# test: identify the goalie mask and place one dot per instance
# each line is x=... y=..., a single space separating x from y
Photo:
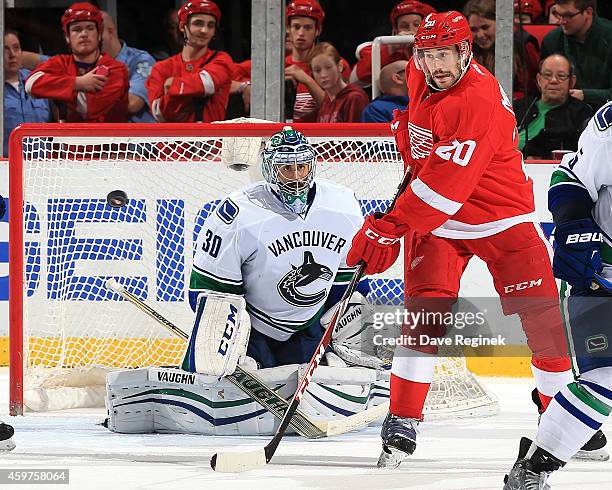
x=288 y=165
x=443 y=49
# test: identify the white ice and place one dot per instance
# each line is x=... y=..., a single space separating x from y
x=467 y=454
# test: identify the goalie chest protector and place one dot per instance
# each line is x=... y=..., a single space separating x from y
x=284 y=263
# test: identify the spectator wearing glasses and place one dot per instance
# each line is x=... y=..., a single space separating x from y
x=394 y=94
x=586 y=40
x=554 y=120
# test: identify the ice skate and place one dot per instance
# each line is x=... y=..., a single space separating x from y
x=399 y=440
x=6 y=438
x=531 y=473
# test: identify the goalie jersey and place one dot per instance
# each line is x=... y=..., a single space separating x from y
x=283 y=263
x=589 y=170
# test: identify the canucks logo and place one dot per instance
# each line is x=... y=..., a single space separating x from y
x=309 y=271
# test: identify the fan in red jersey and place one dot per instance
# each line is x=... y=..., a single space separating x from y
x=405 y=18
x=87 y=85
x=194 y=84
x=468 y=196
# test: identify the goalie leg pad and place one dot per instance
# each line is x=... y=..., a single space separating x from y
x=337 y=392
x=172 y=401
x=219 y=336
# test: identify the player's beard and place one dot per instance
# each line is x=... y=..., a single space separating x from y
x=451 y=77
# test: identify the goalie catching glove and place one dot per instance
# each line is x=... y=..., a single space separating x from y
x=220 y=334
x=350 y=336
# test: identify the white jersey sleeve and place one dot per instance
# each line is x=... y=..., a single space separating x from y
x=220 y=252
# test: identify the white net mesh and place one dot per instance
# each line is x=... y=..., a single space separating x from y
x=74 y=242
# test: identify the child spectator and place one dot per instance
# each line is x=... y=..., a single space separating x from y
x=481 y=17
x=87 y=85
x=194 y=84
x=18 y=107
x=138 y=63
x=405 y=19
x=586 y=40
x=342 y=102
x=394 y=94
x=554 y=120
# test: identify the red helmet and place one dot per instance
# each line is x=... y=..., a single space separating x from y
x=532 y=8
x=198 y=7
x=81 y=11
x=443 y=30
x=305 y=8
x=410 y=7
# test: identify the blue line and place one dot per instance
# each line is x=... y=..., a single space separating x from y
x=597 y=388
x=199 y=412
x=339 y=410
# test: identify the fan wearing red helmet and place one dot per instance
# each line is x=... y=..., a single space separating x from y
x=405 y=18
x=194 y=84
x=527 y=11
x=304 y=19
x=468 y=197
x=87 y=85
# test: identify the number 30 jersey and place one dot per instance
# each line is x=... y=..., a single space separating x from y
x=468 y=175
x=283 y=263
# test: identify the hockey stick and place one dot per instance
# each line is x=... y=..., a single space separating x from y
x=250 y=384
x=600 y=282
x=244 y=461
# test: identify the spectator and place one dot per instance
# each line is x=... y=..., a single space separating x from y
x=87 y=85
x=342 y=102
x=405 y=18
x=18 y=107
x=394 y=94
x=550 y=18
x=304 y=23
x=171 y=39
x=481 y=17
x=527 y=11
x=554 y=120
x=194 y=84
x=586 y=40
x=139 y=64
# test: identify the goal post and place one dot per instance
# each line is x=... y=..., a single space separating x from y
x=66 y=328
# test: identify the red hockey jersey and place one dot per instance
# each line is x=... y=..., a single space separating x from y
x=54 y=79
x=468 y=175
x=347 y=106
x=199 y=90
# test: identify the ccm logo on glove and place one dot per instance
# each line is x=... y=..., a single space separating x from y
x=584 y=238
x=383 y=240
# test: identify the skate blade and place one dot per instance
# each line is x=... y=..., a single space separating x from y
x=7 y=445
x=390 y=460
x=595 y=455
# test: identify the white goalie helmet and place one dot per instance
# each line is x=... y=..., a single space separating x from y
x=288 y=165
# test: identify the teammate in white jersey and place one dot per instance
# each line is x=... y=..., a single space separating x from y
x=281 y=244
x=580 y=199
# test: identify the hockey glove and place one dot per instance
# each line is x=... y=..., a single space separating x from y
x=376 y=245
x=577 y=257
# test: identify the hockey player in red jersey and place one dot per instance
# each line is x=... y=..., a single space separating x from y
x=193 y=85
x=87 y=85
x=405 y=18
x=468 y=196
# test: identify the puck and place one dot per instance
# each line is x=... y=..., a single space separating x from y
x=117 y=199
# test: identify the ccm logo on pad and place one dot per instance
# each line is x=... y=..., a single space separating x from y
x=584 y=238
x=383 y=240
x=523 y=285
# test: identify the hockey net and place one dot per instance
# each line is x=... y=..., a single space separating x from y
x=67 y=329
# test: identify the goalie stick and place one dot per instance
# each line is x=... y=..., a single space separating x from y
x=250 y=384
x=244 y=461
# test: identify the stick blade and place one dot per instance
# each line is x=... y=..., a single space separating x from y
x=238 y=462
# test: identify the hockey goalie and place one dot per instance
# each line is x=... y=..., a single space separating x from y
x=269 y=267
